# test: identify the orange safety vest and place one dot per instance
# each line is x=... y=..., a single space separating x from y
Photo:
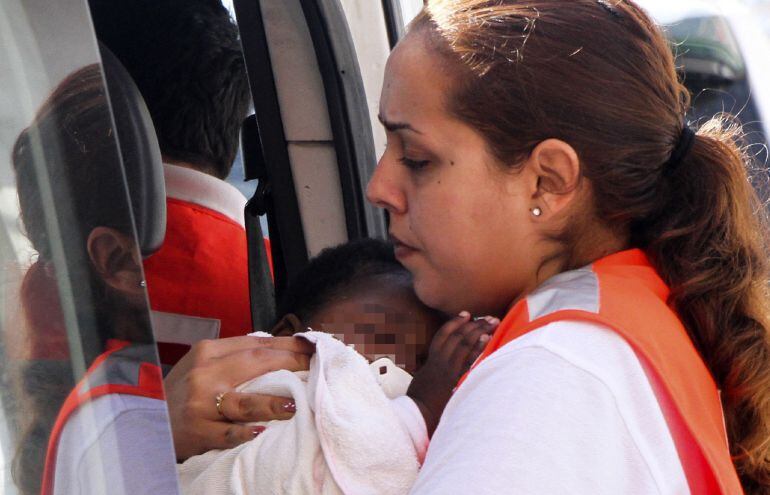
x=624 y=293
x=124 y=369
x=201 y=270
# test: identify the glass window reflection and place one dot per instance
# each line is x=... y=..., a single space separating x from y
x=81 y=400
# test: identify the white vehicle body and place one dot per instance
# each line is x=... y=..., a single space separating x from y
x=753 y=42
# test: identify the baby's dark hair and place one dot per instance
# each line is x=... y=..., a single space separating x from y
x=336 y=271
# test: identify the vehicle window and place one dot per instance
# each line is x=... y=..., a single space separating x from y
x=76 y=345
x=247 y=188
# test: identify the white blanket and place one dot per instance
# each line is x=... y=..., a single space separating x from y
x=346 y=437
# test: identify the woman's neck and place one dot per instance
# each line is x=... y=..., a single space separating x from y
x=594 y=244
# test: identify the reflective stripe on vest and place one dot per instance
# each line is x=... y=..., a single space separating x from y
x=124 y=369
x=624 y=293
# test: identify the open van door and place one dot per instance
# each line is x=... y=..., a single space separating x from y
x=315 y=69
x=67 y=126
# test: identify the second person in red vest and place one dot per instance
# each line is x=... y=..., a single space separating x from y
x=186 y=59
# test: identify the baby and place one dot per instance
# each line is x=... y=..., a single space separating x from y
x=359 y=427
x=361 y=294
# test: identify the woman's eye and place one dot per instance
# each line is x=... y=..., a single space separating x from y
x=414 y=164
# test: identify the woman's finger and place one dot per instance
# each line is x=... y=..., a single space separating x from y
x=238 y=367
x=229 y=435
x=192 y=388
x=212 y=349
x=246 y=408
x=291 y=344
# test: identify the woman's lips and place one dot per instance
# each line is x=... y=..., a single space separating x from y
x=401 y=250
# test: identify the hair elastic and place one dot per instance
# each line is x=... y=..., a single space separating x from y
x=683 y=147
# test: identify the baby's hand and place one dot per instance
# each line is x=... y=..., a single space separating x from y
x=455 y=347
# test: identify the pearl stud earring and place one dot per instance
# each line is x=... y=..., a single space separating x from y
x=536 y=211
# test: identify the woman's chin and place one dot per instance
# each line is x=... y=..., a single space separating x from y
x=453 y=302
x=432 y=296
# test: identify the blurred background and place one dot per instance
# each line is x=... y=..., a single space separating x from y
x=761 y=9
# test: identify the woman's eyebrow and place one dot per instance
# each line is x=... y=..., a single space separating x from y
x=396 y=126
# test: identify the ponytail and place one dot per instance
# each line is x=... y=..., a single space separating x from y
x=45 y=377
x=709 y=240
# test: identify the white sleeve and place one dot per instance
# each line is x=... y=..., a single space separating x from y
x=530 y=420
x=119 y=445
x=411 y=419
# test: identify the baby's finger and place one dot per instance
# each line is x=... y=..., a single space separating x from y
x=476 y=352
x=466 y=333
x=493 y=321
x=467 y=340
x=449 y=328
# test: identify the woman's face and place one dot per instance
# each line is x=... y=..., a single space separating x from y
x=461 y=222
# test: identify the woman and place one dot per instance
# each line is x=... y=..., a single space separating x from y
x=562 y=180
x=546 y=175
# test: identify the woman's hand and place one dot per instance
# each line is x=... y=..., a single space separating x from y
x=457 y=344
x=214 y=367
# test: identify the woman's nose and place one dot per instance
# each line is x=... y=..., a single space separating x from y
x=384 y=189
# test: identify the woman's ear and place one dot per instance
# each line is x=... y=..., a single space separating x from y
x=116 y=259
x=288 y=326
x=557 y=168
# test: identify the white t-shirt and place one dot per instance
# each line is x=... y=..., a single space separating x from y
x=565 y=409
x=117 y=444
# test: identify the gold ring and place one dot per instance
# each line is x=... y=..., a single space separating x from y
x=220 y=397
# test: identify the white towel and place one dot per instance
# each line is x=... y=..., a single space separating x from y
x=346 y=437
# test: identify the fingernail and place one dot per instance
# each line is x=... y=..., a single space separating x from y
x=290 y=406
x=492 y=320
x=257 y=430
x=484 y=339
x=464 y=314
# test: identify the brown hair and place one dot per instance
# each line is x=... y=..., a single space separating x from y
x=600 y=75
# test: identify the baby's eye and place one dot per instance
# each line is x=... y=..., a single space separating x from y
x=365 y=328
x=384 y=338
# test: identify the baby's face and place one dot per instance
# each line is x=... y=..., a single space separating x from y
x=381 y=321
